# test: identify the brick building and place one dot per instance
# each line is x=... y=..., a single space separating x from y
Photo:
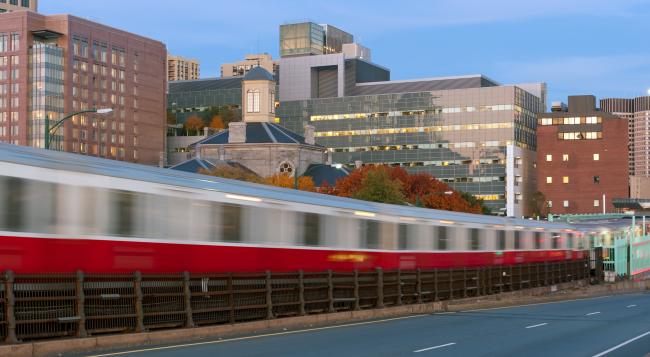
x=52 y=66
x=582 y=154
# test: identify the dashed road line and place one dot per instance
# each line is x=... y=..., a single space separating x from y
x=434 y=347
x=629 y=306
x=538 y=325
x=593 y=313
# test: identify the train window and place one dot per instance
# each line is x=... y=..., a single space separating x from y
x=123 y=204
x=311 y=229
x=40 y=197
x=370 y=234
x=570 y=241
x=555 y=240
x=402 y=236
x=474 y=240
x=231 y=223
x=517 y=240
x=11 y=203
x=501 y=240
x=538 y=240
x=443 y=239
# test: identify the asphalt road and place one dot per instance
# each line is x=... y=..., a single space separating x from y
x=608 y=326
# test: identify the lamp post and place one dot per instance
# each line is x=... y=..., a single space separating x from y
x=50 y=131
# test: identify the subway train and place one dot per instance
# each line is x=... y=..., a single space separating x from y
x=62 y=212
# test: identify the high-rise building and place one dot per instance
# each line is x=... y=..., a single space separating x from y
x=240 y=68
x=637 y=112
x=581 y=158
x=14 y=5
x=182 y=69
x=309 y=38
x=52 y=66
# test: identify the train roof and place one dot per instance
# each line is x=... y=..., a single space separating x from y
x=91 y=165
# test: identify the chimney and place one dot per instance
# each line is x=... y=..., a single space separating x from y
x=358 y=164
x=237 y=132
x=206 y=131
x=309 y=135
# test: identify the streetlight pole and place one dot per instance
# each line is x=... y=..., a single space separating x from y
x=50 y=131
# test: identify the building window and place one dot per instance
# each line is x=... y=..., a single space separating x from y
x=566 y=203
x=15 y=41
x=24 y=3
x=286 y=168
x=565 y=179
x=596 y=157
x=596 y=203
x=565 y=157
x=549 y=157
x=549 y=179
x=253 y=101
x=549 y=204
x=596 y=179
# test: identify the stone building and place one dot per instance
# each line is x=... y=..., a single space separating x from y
x=257 y=142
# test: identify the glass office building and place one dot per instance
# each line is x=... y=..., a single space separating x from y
x=470 y=132
x=301 y=39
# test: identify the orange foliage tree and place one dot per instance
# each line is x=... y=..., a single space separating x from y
x=217 y=123
x=305 y=183
x=419 y=189
x=194 y=123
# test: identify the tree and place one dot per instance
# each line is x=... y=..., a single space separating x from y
x=194 y=123
x=232 y=172
x=378 y=186
x=539 y=205
x=476 y=202
x=216 y=123
x=305 y=183
x=226 y=113
x=171 y=117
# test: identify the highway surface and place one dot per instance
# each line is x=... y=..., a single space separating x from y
x=607 y=326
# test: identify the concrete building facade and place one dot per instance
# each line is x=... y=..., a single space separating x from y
x=251 y=61
x=51 y=66
x=582 y=158
x=182 y=69
x=17 y=5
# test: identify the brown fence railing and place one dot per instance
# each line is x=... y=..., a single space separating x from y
x=56 y=305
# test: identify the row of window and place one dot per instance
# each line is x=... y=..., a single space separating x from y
x=565 y=203
x=482 y=108
x=417 y=129
x=23 y=3
x=565 y=157
x=588 y=135
x=565 y=179
x=77 y=211
x=570 y=121
x=9 y=42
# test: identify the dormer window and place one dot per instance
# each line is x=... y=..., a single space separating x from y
x=253 y=101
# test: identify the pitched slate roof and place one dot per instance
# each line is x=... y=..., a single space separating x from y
x=259 y=133
x=258 y=73
x=320 y=173
x=195 y=164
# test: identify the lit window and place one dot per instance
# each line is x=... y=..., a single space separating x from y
x=549 y=157
x=549 y=204
x=565 y=157
x=596 y=157
x=549 y=179
x=566 y=203
x=596 y=203
x=565 y=179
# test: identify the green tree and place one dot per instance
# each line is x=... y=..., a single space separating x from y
x=538 y=205
x=378 y=186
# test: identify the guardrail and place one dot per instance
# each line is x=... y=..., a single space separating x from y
x=57 y=305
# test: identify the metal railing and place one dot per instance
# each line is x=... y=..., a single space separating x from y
x=57 y=305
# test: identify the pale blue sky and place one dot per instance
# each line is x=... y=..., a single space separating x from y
x=576 y=46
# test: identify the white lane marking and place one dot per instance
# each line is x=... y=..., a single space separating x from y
x=622 y=344
x=538 y=325
x=252 y=337
x=593 y=313
x=629 y=306
x=444 y=313
x=434 y=347
x=535 y=304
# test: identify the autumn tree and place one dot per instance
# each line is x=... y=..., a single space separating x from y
x=194 y=123
x=171 y=117
x=539 y=205
x=232 y=172
x=305 y=183
x=216 y=123
x=378 y=186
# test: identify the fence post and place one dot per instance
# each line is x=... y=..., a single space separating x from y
x=231 y=300
x=418 y=285
x=435 y=284
x=464 y=282
x=380 y=288
x=512 y=282
x=10 y=307
x=269 y=295
x=330 y=290
x=451 y=284
x=301 y=292
x=357 y=304
x=399 y=287
x=81 y=312
x=545 y=273
x=187 y=293
x=139 y=313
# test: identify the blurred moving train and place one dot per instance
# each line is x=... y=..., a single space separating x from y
x=62 y=212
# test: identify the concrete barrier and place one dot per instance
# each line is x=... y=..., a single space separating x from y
x=564 y=291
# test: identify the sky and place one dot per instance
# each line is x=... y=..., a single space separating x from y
x=598 y=47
